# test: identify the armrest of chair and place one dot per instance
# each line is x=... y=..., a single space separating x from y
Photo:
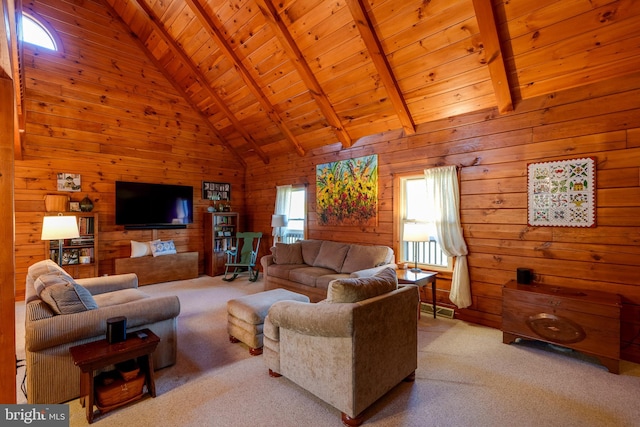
x=103 y=284
x=69 y=328
x=320 y=319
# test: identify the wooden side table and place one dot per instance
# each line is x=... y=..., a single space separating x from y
x=421 y=280
x=100 y=354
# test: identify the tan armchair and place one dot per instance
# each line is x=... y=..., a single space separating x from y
x=347 y=354
x=52 y=376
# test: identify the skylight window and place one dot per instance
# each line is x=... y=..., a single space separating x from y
x=35 y=33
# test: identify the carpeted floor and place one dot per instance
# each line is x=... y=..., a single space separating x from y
x=465 y=377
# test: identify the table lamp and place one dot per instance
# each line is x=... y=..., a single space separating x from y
x=415 y=232
x=277 y=221
x=59 y=228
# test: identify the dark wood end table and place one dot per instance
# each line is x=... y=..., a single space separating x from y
x=421 y=280
x=100 y=354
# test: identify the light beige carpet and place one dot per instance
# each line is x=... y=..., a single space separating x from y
x=465 y=377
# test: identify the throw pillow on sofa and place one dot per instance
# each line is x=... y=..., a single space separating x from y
x=160 y=247
x=139 y=249
x=63 y=294
x=284 y=253
x=361 y=288
x=331 y=255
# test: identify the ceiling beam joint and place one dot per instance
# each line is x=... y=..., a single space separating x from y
x=493 y=54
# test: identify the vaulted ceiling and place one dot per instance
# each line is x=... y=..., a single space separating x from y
x=295 y=75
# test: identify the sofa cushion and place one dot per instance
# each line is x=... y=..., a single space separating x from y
x=122 y=296
x=285 y=253
x=361 y=257
x=331 y=255
x=63 y=294
x=308 y=275
x=310 y=250
x=322 y=282
x=282 y=270
x=359 y=289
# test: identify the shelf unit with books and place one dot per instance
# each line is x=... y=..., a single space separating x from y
x=80 y=255
x=220 y=230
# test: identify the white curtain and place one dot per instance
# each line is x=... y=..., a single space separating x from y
x=443 y=198
x=283 y=202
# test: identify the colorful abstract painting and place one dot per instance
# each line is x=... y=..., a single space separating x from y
x=562 y=193
x=347 y=192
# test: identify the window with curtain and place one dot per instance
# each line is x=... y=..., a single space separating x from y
x=296 y=224
x=291 y=201
x=413 y=190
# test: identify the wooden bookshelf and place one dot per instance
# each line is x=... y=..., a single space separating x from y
x=220 y=229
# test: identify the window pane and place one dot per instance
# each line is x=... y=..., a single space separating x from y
x=416 y=193
x=34 y=33
x=415 y=209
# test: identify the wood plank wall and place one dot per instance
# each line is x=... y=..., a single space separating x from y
x=101 y=109
x=600 y=120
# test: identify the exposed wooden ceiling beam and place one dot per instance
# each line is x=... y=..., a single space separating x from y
x=493 y=54
x=371 y=41
x=154 y=22
x=212 y=25
x=294 y=53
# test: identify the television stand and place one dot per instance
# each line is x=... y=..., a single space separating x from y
x=165 y=268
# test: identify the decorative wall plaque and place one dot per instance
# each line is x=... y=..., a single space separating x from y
x=562 y=193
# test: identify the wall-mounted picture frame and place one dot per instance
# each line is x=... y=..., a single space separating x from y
x=562 y=193
x=68 y=182
x=347 y=192
x=216 y=190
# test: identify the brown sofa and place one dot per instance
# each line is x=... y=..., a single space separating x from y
x=60 y=314
x=308 y=266
x=350 y=349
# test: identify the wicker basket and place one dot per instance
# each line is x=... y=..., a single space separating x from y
x=128 y=370
x=112 y=390
x=56 y=203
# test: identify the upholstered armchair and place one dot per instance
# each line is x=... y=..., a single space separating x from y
x=350 y=353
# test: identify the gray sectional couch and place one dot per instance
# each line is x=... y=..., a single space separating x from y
x=308 y=266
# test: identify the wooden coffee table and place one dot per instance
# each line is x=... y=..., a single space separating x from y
x=100 y=354
x=421 y=280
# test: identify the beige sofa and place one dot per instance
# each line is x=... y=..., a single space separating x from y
x=59 y=315
x=308 y=266
x=350 y=349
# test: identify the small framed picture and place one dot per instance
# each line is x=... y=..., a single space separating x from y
x=69 y=182
x=74 y=206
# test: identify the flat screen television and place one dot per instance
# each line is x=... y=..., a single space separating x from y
x=142 y=205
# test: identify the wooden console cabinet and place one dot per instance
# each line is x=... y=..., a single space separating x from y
x=583 y=320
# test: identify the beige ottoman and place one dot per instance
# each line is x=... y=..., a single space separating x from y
x=245 y=316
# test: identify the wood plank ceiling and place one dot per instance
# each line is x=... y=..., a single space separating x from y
x=296 y=75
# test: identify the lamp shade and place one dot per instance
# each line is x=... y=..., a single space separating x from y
x=278 y=220
x=59 y=227
x=415 y=232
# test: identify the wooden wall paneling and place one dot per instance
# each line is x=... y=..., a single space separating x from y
x=494 y=152
x=110 y=118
